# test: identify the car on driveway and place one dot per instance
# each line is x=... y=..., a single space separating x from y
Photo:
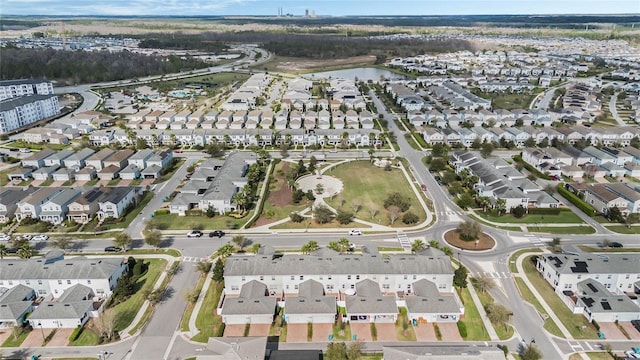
x=194 y=233
x=40 y=238
x=5 y=237
x=218 y=233
x=355 y=232
x=112 y=249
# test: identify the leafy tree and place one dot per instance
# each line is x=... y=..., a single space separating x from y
x=410 y=218
x=465 y=201
x=310 y=247
x=3 y=251
x=483 y=283
x=487 y=149
x=296 y=218
x=417 y=246
x=342 y=246
x=191 y=296
x=255 y=248
x=141 y=144
x=498 y=314
x=336 y=351
x=153 y=238
x=203 y=267
x=26 y=252
x=153 y=296
x=301 y=168
x=614 y=214
x=241 y=241
x=225 y=251
x=460 y=277
x=469 y=230
x=354 y=350
x=437 y=165
x=440 y=150
x=396 y=199
x=476 y=144
x=122 y=240
x=218 y=270
x=530 y=142
x=530 y=352
x=344 y=217
x=518 y=211
x=297 y=196
x=322 y=214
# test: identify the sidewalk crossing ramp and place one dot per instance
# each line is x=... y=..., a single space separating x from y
x=404 y=240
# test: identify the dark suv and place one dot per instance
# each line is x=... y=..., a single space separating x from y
x=112 y=249
x=218 y=233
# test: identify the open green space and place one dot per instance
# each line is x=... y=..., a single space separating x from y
x=475 y=328
x=404 y=328
x=562 y=229
x=184 y=323
x=573 y=322
x=274 y=208
x=621 y=229
x=4 y=179
x=15 y=341
x=606 y=250
x=127 y=310
x=527 y=295
x=87 y=338
x=208 y=322
x=565 y=217
x=175 y=222
x=514 y=257
x=25 y=145
x=504 y=331
x=369 y=186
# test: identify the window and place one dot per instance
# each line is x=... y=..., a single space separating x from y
x=244 y=278
x=301 y=277
x=27 y=282
x=579 y=277
x=609 y=277
x=329 y=277
x=261 y=277
x=68 y=282
x=89 y=281
x=329 y=287
x=39 y=282
x=59 y=282
x=321 y=277
x=353 y=286
x=385 y=286
x=235 y=288
x=42 y=292
x=295 y=287
x=405 y=277
x=357 y=277
x=415 y=277
x=348 y=277
x=287 y=287
x=273 y=278
x=293 y=277
x=567 y=286
x=10 y=282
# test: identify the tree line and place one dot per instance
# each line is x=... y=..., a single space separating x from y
x=76 y=67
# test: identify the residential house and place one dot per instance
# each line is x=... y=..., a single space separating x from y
x=55 y=209
x=84 y=208
x=37 y=159
x=19 y=174
x=130 y=172
x=97 y=160
x=30 y=206
x=115 y=201
x=86 y=174
x=119 y=159
x=368 y=304
x=44 y=173
x=64 y=174
x=72 y=309
x=311 y=305
x=77 y=160
x=9 y=198
x=252 y=306
x=140 y=158
x=426 y=304
x=15 y=304
x=58 y=158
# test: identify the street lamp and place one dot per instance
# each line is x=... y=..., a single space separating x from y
x=42 y=329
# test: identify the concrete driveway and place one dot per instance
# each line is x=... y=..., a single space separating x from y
x=259 y=329
x=362 y=330
x=35 y=338
x=386 y=332
x=321 y=332
x=633 y=333
x=297 y=332
x=61 y=338
x=425 y=332
x=449 y=332
x=233 y=330
x=611 y=331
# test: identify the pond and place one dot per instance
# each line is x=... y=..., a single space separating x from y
x=362 y=73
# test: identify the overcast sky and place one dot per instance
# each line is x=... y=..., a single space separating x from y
x=323 y=7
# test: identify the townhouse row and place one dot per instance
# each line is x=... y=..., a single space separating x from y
x=253 y=119
x=519 y=136
x=53 y=292
x=87 y=164
x=310 y=287
x=56 y=205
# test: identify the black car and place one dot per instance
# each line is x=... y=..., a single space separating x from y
x=112 y=249
x=218 y=233
x=615 y=245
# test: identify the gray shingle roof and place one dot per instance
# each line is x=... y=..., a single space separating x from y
x=310 y=300
x=76 y=268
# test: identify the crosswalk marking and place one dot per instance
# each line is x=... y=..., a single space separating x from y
x=194 y=259
x=534 y=239
x=404 y=240
x=497 y=275
x=450 y=213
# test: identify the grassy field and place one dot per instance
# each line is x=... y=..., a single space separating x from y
x=504 y=331
x=403 y=334
x=184 y=323
x=175 y=222
x=87 y=338
x=565 y=217
x=621 y=229
x=562 y=230
x=515 y=255
x=277 y=212
x=527 y=295
x=4 y=179
x=370 y=186
x=209 y=324
x=606 y=250
x=13 y=342
x=475 y=328
x=573 y=322
x=126 y=311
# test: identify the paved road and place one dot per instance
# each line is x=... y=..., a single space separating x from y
x=614 y=110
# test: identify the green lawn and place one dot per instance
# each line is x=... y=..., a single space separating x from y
x=87 y=338
x=341 y=334
x=562 y=230
x=92 y=182
x=47 y=182
x=504 y=331
x=12 y=342
x=475 y=328
x=278 y=184
x=621 y=229
x=605 y=250
x=403 y=334
x=370 y=186
x=4 y=179
x=208 y=322
x=515 y=255
x=573 y=322
x=113 y=182
x=170 y=170
x=527 y=295
x=175 y=222
x=184 y=323
x=565 y=217
x=126 y=311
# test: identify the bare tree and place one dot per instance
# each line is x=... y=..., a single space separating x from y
x=373 y=211
x=393 y=213
x=356 y=205
x=498 y=314
x=62 y=243
x=203 y=267
x=153 y=238
x=122 y=240
x=483 y=283
x=105 y=323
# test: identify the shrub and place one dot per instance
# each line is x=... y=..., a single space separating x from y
x=396 y=199
x=162 y=212
x=545 y=211
x=575 y=200
x=296 y=218
x=595 y=324
x=410 y=218
x=437 y=330
x=518 y=211
x=139 y=268
x=297 y=196
x=344 y=217
x=462 y=328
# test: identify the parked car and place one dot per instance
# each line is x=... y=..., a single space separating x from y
x=112 y=249
x=26 y=236
x=5 y=237
x=218 y=233
x=355 y=232
x=615 y=244
x=194 y=233
x=40 y=238
x=24 y=150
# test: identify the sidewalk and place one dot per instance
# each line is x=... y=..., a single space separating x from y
x=193 y=329
x=483 y=314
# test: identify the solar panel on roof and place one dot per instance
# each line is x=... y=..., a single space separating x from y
x=605 y=305
x=592 y=288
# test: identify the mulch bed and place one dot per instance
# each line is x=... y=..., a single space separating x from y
x=453 y=238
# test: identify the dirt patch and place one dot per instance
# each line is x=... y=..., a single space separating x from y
x=288 y=64
x=297 y=332
x=485 y=242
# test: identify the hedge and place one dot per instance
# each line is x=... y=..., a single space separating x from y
x=575 y=200
x=462 y=328
x=545 y=211
x=518 y=159
x=162 y=212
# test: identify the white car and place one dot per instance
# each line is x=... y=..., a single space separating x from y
x=355 y=232
x=40 y=238
x=5 y=237
x=26 y=236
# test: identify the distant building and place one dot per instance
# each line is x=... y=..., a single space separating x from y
x=16 y=88
x=18 y=112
